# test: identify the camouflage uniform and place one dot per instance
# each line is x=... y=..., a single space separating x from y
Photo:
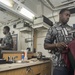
x=8 y=41
x=58 y=33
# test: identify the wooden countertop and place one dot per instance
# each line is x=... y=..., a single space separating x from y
x=10 y=51
x=5 y=67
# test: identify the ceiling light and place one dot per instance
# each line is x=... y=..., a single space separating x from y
x=27 y=13
x=7 y=2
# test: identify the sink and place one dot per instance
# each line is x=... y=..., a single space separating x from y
x=24 y=61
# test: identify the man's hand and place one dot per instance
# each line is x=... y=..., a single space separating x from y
x=61 y=45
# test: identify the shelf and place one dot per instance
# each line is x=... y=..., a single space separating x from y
x=25 y=29
x=41 y=25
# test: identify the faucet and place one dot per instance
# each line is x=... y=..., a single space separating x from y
x=13 y=58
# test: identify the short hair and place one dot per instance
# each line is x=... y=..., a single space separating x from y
x=63 y=10
x=7 y=28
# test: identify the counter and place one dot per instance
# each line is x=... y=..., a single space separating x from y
x=38 y=68
x=4 y=67
x=16 y=53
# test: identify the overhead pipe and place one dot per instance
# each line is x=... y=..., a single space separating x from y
x=50 y=7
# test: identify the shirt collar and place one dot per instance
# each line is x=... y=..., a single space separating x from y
x=8 y=34
x=60 y=24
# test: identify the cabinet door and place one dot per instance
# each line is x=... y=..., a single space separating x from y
x=42 y=69
x=29 y=71
x=3 y=73
x=33 y=70
x=46 y=69
x=14 y=72
x=36 y=69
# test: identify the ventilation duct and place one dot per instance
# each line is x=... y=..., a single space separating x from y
x=22 y=26
x=42 y=22
x=72 y=10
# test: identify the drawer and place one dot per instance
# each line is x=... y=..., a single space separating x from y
x=33 y=70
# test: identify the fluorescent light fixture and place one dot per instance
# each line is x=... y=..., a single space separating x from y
x=7 y=2
x=27 y=13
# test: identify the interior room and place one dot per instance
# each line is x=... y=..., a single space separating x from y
x=29 y=22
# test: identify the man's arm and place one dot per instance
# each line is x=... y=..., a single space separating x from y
x=49 y=46
x=49 y=40
x=56 y=45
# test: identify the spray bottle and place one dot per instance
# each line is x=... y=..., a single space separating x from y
x=25 y=55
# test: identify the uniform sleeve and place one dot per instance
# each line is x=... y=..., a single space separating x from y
x=9 y=41
x=51 y=35
x=2 y=44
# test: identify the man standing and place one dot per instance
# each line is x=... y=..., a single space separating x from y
x=57 y=39
x=7 y=42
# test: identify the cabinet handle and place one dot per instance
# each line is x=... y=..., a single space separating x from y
x=29 y=70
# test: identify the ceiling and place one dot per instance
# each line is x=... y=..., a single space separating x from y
x=57 y=3
x=6 y=17
x=39 y=7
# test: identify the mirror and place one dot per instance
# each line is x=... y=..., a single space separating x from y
x=20 y=29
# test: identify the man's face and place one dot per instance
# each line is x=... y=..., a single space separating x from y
x=4 y=31
x=64 y=17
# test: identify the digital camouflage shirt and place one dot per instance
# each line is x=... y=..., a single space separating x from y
x=8 y=41
x=58 y=33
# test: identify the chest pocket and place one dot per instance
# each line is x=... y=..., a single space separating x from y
x=60 y=36
x=63 y=35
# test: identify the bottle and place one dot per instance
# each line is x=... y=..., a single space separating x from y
x=9 y=58
x=25 y=55
x=22 y=56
